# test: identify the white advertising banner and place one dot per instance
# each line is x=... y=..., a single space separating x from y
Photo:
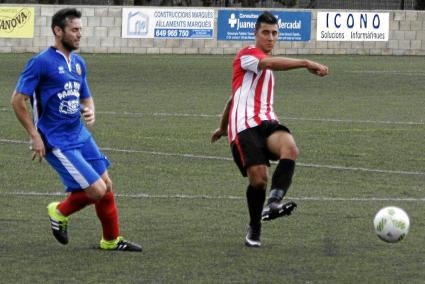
x=167 y=23
x=352 y=26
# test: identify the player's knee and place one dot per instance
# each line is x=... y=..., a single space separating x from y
x=97 y=190
x=290 y=152
x=258 y=176
x=108 y=183
x=294 y=152
x=96 y=194
x=259 y=181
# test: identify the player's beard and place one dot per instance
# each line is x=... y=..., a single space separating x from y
x=68 y=45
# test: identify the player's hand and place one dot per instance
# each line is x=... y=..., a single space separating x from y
x=217 y=134
x=37 y=147
x=88 y=115
x=317 y=69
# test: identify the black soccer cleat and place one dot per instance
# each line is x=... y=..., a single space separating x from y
x=120 y=244
x=275 y=210
x=252 y=238
x=128 y=246
x=58 y=223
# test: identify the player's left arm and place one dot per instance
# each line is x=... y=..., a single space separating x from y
x=284 y=63
x=87 y=110
x=86 y=100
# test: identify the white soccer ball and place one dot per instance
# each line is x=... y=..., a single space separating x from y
x=391 y=224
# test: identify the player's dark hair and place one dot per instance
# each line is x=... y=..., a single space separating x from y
x=266 y=18
x=61 y=17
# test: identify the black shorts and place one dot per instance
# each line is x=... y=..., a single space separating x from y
x=250 y=146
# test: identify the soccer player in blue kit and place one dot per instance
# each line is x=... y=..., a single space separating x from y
x=55 y=83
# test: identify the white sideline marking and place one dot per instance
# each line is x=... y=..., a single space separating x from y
x=392 y=72
x=357 y=121
x=11 y=141
x=230 y=159
x=204 y=157
x=286 y=118
x=227 y=197
x=203 y=115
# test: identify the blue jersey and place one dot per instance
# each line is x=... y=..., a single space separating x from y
x=55 y=87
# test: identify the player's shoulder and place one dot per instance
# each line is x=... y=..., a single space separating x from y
x=78 y=58
x=43 y=56
x=39 y=61
x=250 y=50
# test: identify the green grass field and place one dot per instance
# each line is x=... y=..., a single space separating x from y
x=361 y=135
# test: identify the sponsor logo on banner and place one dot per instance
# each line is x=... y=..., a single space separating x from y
x=352 y=26
x=167 y=23
x=137 y=23
x=240 y=25
x=16 y=22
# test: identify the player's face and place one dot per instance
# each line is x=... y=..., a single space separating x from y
x=71 y=35
x=266 y=37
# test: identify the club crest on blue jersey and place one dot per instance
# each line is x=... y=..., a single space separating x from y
x=78 y=68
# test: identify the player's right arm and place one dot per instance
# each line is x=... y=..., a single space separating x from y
x=19 y=105
x=222 y=129
x=25 y=88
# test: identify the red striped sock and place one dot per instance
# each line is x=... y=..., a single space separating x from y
x=108 y=216
x=74 y=202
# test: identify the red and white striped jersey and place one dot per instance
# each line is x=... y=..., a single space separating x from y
x=252 y=92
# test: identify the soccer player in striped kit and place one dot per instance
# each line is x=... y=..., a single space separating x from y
x=253 y=129
x=55 y=83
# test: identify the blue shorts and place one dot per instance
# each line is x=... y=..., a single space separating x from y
x=80 y=167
